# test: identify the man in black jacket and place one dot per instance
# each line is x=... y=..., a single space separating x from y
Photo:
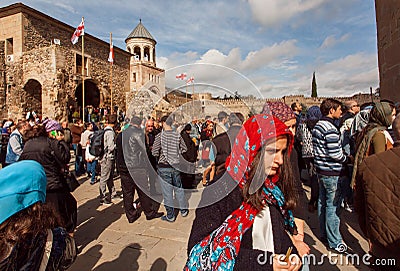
x=190 y=157
x=223 y=142
x=133 y=167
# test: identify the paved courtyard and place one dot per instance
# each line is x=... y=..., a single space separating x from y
x=108 y=242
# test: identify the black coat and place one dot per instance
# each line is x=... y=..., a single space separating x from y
x=131 y=149
x=223 y=144
x=191 y=154
x=53 y=155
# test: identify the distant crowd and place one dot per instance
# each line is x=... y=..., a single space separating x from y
x=348 y=154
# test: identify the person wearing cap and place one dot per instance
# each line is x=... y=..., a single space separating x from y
x=15 y=143
x=30 y=234
x=45 y=145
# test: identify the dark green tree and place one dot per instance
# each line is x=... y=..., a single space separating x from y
x=314 y=87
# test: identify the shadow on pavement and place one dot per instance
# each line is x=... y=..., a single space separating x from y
x=127 y=260
x=92 y=222
x=159 y=265
x=87 y=260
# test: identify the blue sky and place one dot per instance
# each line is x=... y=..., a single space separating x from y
x=277 y=44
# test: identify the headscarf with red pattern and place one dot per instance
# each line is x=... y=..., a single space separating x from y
x=218 y=251
x=280 y=110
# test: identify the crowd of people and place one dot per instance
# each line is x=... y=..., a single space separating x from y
x=349 y=152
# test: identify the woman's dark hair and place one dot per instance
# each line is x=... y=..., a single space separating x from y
x=25 y=225
x=285 y=183
x=36 y=131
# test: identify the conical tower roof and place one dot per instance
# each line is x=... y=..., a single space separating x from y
x=140 y=32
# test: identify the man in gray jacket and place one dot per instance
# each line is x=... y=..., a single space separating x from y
x=107 y=162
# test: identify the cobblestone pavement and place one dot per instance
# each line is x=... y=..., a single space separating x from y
x=108 y=242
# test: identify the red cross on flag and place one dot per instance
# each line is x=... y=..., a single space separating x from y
x=181 y=76
x=190 y=80
x=80 y=31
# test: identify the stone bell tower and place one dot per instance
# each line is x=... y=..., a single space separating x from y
x=146 y=81
x=143 y=69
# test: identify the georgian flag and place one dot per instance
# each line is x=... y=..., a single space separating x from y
x=80 y=31
x=181 y=76
x=111 y=55
x=190 y=80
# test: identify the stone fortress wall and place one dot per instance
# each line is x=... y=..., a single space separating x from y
x=248 y=106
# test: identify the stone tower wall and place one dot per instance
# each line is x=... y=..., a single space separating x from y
x=388 y=29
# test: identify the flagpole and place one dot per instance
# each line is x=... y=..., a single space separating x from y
x=111 y=90
x=186 y=93
x=83 y=75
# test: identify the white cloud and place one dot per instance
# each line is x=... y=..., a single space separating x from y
x=331 y=41
x=277 y=56
x=274 y=12
x=272 y=55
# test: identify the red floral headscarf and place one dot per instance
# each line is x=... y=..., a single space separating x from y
x=253 y=135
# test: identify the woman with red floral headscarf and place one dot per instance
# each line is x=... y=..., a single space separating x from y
x=254 y=221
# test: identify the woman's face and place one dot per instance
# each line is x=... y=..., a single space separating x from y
x=273 y=156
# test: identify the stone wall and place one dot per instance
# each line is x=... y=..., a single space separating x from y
x=388 y=29
x=54 y=67
x=3 y=85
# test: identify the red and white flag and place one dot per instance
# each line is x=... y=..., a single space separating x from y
x=190 y=80
x=111 y=55
x=181 y=76
x=80 y=31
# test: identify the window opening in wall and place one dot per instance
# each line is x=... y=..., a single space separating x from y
x=146 y=54
x=136 y=53
x=134 y=77
x=78 y=61
x=9 y=46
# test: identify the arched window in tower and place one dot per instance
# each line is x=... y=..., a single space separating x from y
x=136 y=53
x=146 y=54
x=129 y=49
x=154 y=55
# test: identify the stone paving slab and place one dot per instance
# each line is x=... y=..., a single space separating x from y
x=108 y=242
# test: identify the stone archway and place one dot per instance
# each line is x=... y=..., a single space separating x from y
x=31 y=99
x=92 y=94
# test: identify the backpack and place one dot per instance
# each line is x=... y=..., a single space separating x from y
x=97 y=143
